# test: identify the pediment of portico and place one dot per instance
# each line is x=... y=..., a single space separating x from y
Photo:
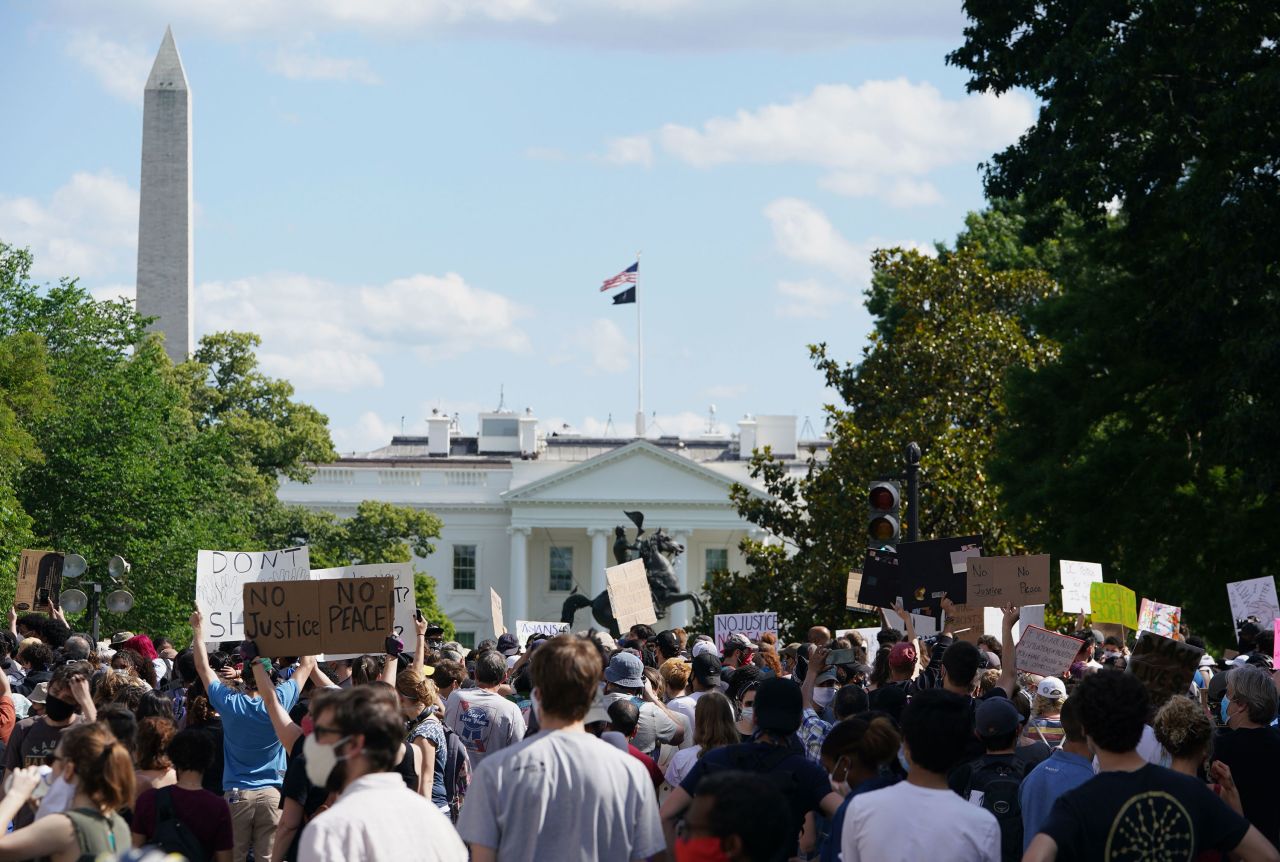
x=637 y=473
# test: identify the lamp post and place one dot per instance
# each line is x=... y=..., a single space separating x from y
x=118 y=601
x=913 y=492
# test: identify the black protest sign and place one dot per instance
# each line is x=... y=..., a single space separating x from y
x=39 y=580
x=880 y=586
x=1165 y=666
x=933 y=569
x=343 y=615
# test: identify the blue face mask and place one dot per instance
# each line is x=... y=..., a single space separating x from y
x=902 y=760
x=1222 y=710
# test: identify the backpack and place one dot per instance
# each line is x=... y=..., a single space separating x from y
x=457 y=771
x=172 y=835
x=999 y=782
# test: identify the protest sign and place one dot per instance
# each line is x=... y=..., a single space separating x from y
x=629 y=595
x=997 y=581
x=526 y=629
x=1113 y=603
x=869 y=639
x=1164 y=665
x=495 y=608
x=346 y=615
x=967 y=622
x=752 y=625
x=1076 y=578
x=1160 y=618
x=880 y=585
x=39 y=578
x=926 y=626
x=1029 y=615
x=405 y=598
x=220 y=580
x=1253 y=598
x=851 y=590
x=1110 y=630
x=1046 y=653
x=933 y=569
x=1275 y=646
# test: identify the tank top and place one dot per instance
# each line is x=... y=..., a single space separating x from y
x=97 y=834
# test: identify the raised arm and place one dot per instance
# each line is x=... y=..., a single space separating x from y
x=1009 y=660
x=84 y=699
x=198 y=651
x=286 y=731
x=391 y=665
x=13 y=623
x=817 y=664
x=419 y=645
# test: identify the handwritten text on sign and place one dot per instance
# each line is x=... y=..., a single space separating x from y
x=996 y=581
x=526 y=629
x=346 y=615
x=405 y=600
x=1046 y=653
x=751 y=625
x=1076 y=578
x=220 y=580
x=1114 y=603
x=1254 y=598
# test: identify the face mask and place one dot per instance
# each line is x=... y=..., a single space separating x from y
x=58 y=709
x=902 y=760
x=321 y=759
x=822 y=697
x=748 y=713
x=121 y=671
x=1226 y=701
x=704 y=849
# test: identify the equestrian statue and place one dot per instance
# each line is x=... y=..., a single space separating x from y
x=659 y=553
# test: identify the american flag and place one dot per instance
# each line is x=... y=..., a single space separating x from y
x=627 y=276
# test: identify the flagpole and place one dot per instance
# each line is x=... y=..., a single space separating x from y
x=639 y=357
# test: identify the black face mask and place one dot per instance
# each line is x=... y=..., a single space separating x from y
x=58 y=709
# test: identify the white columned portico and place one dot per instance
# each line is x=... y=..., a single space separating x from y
x=681 y=614
x=599 y=558
x=516 y=603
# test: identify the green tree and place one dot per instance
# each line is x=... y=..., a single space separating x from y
x=947 y=332
x=1151 y=442
x=26 y=391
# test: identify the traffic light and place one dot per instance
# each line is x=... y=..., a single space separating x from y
x=883 y=528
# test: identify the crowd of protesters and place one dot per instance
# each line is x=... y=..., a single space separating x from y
x=656 y=745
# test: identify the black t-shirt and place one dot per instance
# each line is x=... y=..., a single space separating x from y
x=297 y=787
x=1150 y=813
x=1034 y=753
x=1253 y=756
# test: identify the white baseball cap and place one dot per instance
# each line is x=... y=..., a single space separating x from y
x=1051 y=688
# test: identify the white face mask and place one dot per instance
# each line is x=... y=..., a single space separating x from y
x=321 y=759
x=902 y=759
x=822 y=697
x=748 y=713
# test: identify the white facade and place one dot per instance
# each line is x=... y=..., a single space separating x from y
x=533 y=526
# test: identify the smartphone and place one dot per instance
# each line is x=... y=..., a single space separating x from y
x=417 y=614
x=842 y=656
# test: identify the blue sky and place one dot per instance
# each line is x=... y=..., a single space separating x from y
x=415 y=201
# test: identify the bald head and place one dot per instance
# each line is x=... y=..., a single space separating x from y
x=819 y=635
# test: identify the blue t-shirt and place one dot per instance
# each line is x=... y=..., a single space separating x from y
x=253 y=756
x=1051 y=778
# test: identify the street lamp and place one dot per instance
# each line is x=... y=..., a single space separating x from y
x=118 y=601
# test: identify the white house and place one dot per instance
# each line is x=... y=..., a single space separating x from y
x=533 y=515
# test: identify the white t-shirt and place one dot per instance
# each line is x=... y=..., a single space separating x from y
x=655 y=725
x=562 y=795
x=681 y=762
x=378 y=818
x=484 y=720
x=685 y=705
x=910 y=822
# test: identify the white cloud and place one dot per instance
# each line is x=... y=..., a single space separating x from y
x=878 y=138
x=122 y=70
x=112 y=292
x=802 y=232
x=635 y=150
x=606 y=347
x=299 y=65
x=808 y=298
x=87 y=227
x=368 y=432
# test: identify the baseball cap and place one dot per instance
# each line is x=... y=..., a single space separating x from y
x=705 y=648
x=1207 y=660
x=902 y=654
x=40 y=693
x=828 y=675
x=706 y=668
x=625 y=670
x=120 y=637
x=508 y=645
x=667 y=642
x=434 y=629
x=738 y=640
x=1051 y=688
x=996 y=716
x=778 y=707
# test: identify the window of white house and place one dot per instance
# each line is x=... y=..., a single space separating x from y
x=467 y=639
x=717 y=560
x=561 y=570
x=464 y=567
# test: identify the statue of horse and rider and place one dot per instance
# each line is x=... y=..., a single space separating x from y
x=659 y=553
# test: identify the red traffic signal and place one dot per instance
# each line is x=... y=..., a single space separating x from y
x=883 y=527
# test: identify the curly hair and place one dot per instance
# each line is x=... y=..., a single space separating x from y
x=1184 y=728
x=1113 y=709
x=675 y=673
x=769 y=659
x=419 y=689
x=154 y=735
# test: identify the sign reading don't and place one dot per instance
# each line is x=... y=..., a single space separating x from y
x=343 y=615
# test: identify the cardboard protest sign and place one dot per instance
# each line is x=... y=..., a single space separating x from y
x=933 y=569
x=345 y=615
x=1253 y=598
x=401 y=573
x=880 y=586
x=1076 y=578
x=495 y=608
x=926 y=626
x=220 y=580
x=967 y=622
x=629 y=595
x=526 y=629
x=39 y=579
x=1164 y=665
x=997 y=581
x=1046 y=653
x=752 y=625
x=1110 y=630
x=1029 y=615
x=1275 y=647
x=1160 y=618
x=851 y=589
x=1114 y=603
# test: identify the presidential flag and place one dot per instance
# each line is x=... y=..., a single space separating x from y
x=627 y=276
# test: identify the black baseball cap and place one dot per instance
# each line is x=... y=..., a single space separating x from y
x=667 y=642
x=706 y=669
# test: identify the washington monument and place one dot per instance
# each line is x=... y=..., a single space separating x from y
x=165 y=266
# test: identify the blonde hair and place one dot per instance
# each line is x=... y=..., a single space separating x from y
x=1183 y=728
x=1041 y=705
x=713 y=723
x=675 y=673
x=419 y=688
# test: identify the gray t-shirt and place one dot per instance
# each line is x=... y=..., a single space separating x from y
x=655 y=725
x=484 y=720
x=563 y=796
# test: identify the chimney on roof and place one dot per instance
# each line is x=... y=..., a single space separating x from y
x=746 y=437
x=528 y=434
x=438 y=434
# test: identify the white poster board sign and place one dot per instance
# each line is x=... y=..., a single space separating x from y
x=526 y=629
x=993 y=621
x=1076 y=578
x=220 y=580
x=403 y=596
x=629 y=596
x=926 y=626
x=752 y=625
x=1046 y=653
x=1254 y=598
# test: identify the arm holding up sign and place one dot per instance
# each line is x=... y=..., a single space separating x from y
x=286 y=731
x=1009 y=660
x=198 y=651
x=419 y=645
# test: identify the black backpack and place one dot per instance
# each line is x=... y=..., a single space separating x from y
x=999 y=782
x=172 y=835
